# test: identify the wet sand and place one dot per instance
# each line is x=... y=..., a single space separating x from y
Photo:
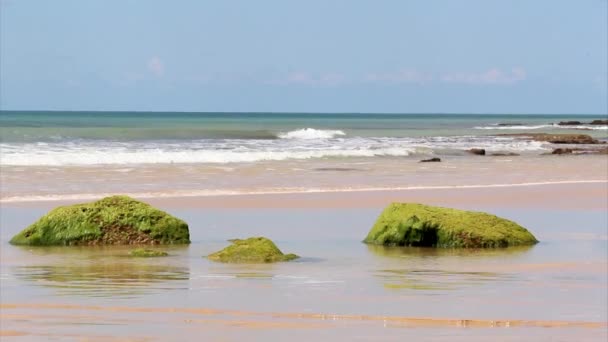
x=339 y=290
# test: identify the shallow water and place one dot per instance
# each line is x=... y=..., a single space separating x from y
x=339 y=289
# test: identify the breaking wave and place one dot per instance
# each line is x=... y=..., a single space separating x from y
x=311 y=133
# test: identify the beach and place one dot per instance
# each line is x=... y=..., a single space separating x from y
x=315 y=193
x=340 y=289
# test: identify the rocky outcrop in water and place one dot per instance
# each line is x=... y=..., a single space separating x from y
x=556 y=138
x=569 y=123
x=147 y=253
x=412 y=224
x=559 y=151
x=599 y=122
x=250 y=251
x=115 y=220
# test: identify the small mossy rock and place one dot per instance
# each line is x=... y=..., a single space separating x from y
x=411 y=224
x=147 y=253
x=252 y=250
x=115 y=220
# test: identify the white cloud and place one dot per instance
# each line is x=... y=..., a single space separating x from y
x=492 y=76
x=402 y=76
x=156 y=66
x=306 y=78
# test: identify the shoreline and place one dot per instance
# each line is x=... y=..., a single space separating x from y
x=584 y=194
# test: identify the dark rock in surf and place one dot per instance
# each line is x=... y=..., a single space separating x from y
x=569 y=123
x=599 y=122
x=431 y=160
x=478 y=151
x=562 y=151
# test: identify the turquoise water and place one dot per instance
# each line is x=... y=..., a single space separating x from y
x=127 y=126
x=125 y=138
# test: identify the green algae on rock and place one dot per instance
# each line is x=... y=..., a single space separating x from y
x=115 y=220
x=252 y=250
x=411 y=224
x=147 y=253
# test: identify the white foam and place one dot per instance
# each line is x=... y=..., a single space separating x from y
x=311 y=133
x=113 y=157
x=90 y=153
x=210 y=193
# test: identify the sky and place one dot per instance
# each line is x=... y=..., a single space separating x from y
x=426 y=56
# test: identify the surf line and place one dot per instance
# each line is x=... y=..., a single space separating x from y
x=211 y=193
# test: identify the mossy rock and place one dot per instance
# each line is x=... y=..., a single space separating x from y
x=147 y=253
x=411 y=224
x=115 y=220
x=252 y=250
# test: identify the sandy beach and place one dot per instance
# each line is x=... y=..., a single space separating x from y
x=340 y=289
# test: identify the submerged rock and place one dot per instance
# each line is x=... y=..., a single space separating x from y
x=411 y=224
x=251 y=250
x=147 y=253
x=115 y=220
x=431 y=160
x=562 y=151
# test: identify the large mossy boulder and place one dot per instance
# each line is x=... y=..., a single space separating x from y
x=252 y=250
x=411 y=224
x=115 y=220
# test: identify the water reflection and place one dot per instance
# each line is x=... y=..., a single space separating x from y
x=426 y=279
x=436 y=269
x=100 y=272
x=417 y=252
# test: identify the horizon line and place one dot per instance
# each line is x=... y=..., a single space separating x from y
x=290 y=112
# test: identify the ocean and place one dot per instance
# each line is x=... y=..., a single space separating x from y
x=82 y=154
x=96 y=138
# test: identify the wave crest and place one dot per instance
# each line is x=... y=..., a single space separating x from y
x=311 y=133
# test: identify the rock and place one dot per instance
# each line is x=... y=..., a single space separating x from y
x=589 y=150
x=412 y=224
x=478 y=151
x=504 y=154
x=115 y=220
x=431 y=160
x=562 y=151
x=569 y=123
x=556 y=138
x=251 y=251
x=599 y=122
x=147 y=253
x=510 y=124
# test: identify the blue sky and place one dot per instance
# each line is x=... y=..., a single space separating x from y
x=485 y=56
